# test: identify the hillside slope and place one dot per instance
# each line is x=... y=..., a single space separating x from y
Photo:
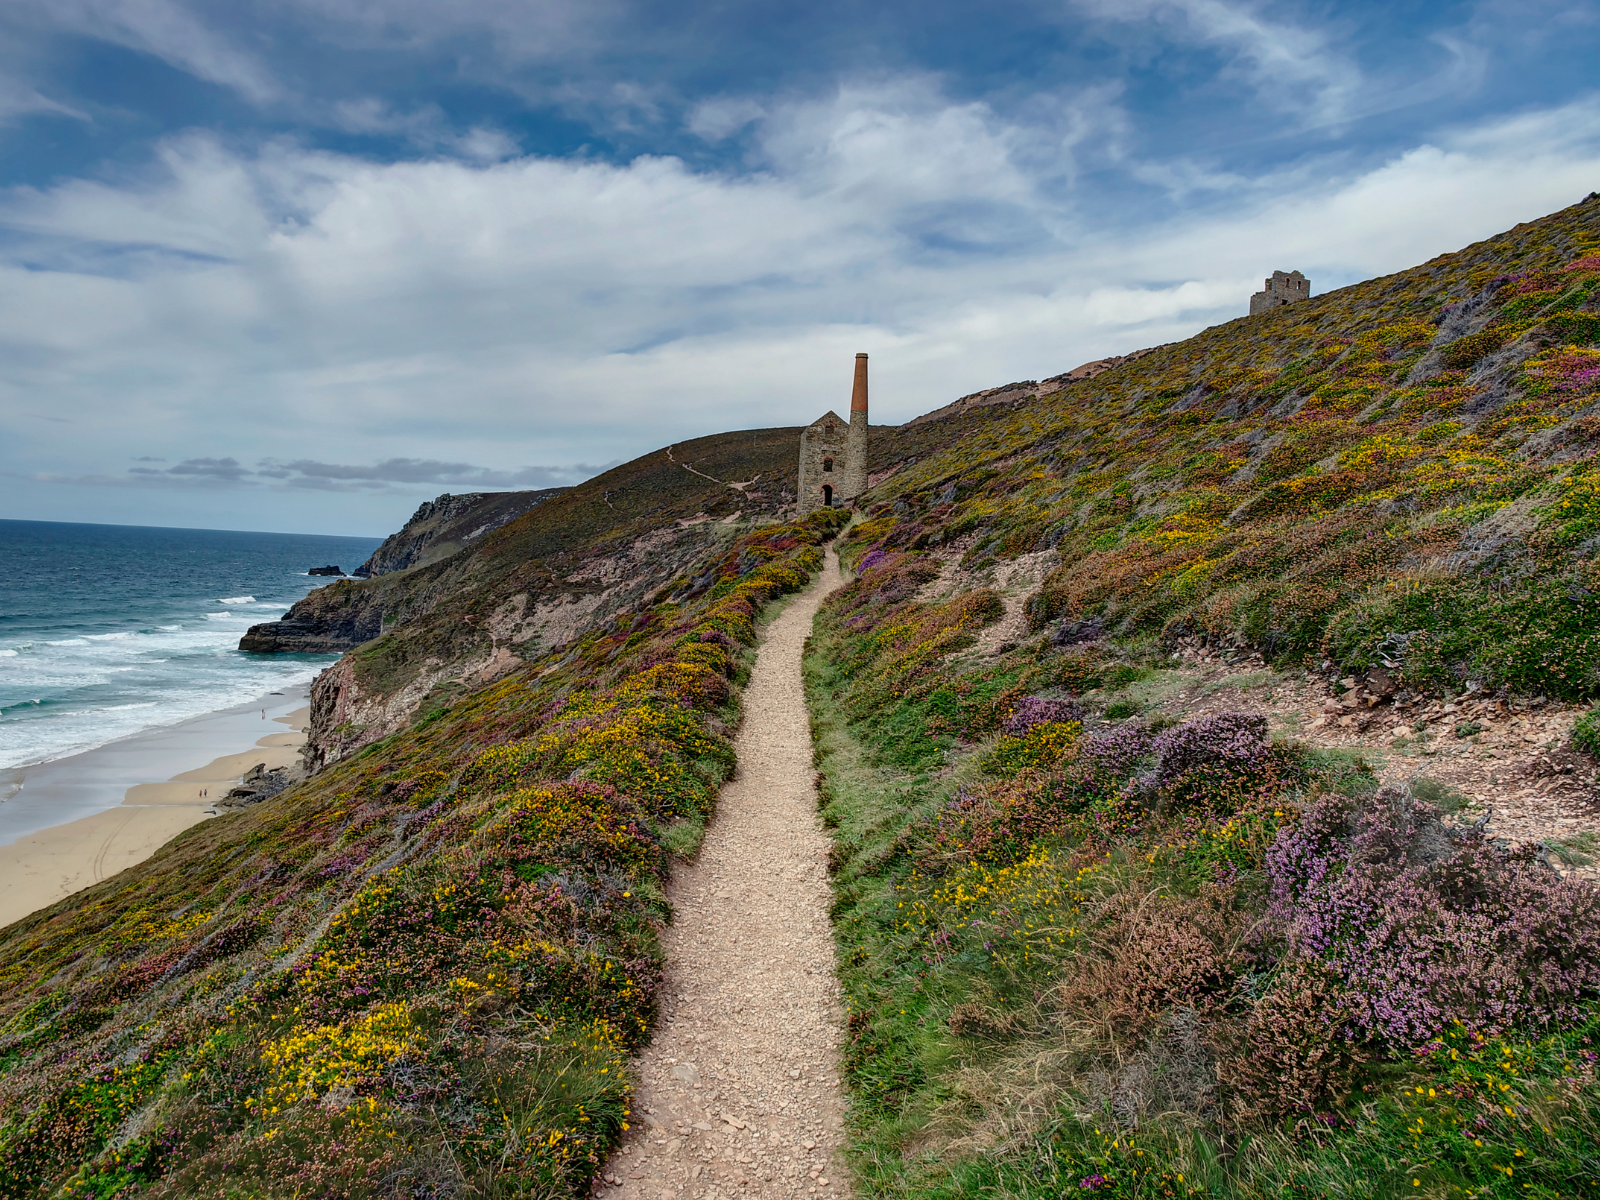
x=1103 y=928
x=1168 y=735
x=536 y=582
x=417 y=973
x=445 y=524
x=1252 y=484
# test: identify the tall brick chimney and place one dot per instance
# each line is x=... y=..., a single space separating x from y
x=855 y=477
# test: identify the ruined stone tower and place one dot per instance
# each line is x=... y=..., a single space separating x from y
x=1283 y=288
x=833 y=453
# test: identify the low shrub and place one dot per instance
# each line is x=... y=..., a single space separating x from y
x=1044 y=745
x=1586 y=733
x=999 y=822
x=1537 y=636
x=1151 y=954
x=1224 y=758
x=1117 y=753
x=1466 y=351
x=1428 y=926
x=1298 y=1051
x=1040 y=710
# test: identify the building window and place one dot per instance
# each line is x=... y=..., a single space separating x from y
x=827 y=464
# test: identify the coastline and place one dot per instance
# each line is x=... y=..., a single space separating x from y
x=73 y=821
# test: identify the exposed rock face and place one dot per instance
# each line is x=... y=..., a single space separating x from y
x=1030 y=389
x=353 y=704
x=442 y=526
x=257 y=785
x=330 y=620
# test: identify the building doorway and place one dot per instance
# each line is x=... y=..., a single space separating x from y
x=827 y=495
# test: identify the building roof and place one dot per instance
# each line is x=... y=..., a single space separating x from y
x=830 y=415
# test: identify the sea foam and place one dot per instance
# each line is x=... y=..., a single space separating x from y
x=110 y=629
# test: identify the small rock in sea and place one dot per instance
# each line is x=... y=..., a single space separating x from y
x=328 y=570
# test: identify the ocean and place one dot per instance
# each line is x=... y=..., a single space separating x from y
x=108 y=630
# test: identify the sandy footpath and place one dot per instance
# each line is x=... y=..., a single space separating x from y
x=739 y=1092
x=41 y=867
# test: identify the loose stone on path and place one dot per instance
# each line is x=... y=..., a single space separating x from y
x=739 y=1092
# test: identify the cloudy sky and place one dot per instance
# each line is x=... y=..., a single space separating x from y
x=300 y=264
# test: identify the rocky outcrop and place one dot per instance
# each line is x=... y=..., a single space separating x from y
x=257 y=785
x=442 y=526
x=330 y=620
x=329 y=570
x=1030 y=389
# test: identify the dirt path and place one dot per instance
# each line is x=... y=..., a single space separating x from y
x=739 y=1093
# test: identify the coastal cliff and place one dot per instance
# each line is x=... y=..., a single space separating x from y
x=329 y=620
x=444 y=525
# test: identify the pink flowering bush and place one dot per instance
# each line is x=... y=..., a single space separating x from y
x=1117 y=753
x=1221 y=757
x=1426 y=926
x=1040 y=710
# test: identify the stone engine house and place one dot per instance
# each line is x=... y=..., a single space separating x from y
x=1285 y=287
x=833 y=453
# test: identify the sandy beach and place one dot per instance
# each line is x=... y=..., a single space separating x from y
x=74 y=821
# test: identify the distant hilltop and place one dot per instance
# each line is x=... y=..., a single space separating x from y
x=1280 y=288
x=1031 y=389
x=441 y=527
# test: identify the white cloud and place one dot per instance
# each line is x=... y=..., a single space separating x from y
x=424 y=127
x=287 y=310
x=725 y=115
x=1295 y=67
x=18 y=99
x=168 y=30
